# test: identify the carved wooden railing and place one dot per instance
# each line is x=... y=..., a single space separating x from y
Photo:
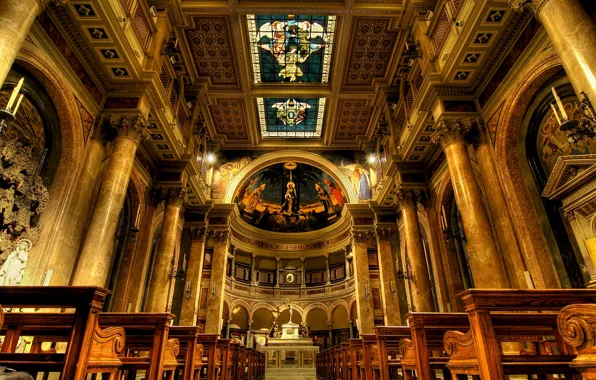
x=577 y=326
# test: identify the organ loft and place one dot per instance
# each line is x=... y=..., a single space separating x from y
x=329 y=190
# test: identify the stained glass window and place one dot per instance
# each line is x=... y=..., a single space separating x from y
x=291 y=117
x=291 y=48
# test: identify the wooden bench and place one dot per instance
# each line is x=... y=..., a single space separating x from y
x=355 y=353
x=146 y=332
x=368 y=365
x=577 y=326
x=481 y=304
x=190 y=356
x=388 y=338
x=85 y=340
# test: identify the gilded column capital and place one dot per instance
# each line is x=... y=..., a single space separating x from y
x=101 y=129
x=43 y=3
x=198 y=233
x=526 y=5
x=449 y=131
x=176 y=196
x=220 y=235
x=131 y=127
x=384 y=233
x=362 y=235
x=277 y=258
x=406 y=199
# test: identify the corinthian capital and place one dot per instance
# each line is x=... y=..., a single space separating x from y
x=524 y=5
x=176 y=196
x=43 y=3
x=449 y=131
x=407 y=199
x=131 y=126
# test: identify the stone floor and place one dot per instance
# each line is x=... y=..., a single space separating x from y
x=290 y=374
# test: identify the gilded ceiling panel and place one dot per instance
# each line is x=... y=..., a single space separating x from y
x=353 y=119
x=229 y=119
x=212 y=49
x=373 y=43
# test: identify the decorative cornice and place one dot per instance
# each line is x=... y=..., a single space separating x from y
x=384 y=233
x=198 y=233
x=43 y=3
x=362 y=235
x=449 y=131
x=176 y=196
x=407 y=199
x=221 y=236
x=526 y=5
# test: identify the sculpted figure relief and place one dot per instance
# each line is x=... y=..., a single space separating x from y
x=13 y=269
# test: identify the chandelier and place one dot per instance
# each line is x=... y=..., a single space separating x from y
x=10 y=111
x=577 y=130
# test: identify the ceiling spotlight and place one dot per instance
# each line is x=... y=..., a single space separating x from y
x=372 y=159
x=210 y=158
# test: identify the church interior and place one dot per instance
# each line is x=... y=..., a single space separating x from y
x=306 y=189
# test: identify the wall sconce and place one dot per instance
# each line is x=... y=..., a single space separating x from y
x=392 y=289
x=366 y=292
x=577 y=130
x=407 y=273
x=188 y=289
x=213 y=291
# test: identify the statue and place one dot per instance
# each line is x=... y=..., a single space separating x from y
x=290 y=310
x=304 y=330
x=11 y=273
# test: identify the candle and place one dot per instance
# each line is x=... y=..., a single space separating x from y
x=18 y=104
x=14 y=94
x=560 y=104
x=556 y=114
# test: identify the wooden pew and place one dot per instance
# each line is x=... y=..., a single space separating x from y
x=190 y=356
x=223 y=358
x=427 y=330
x=480 y=303
x=388 y=338
x=577 y=326
x=87 y=302
x=512 y=327
x=355 y=353
x=345 y=360
x=146 y=332
x=209 y=342
x=369 y=364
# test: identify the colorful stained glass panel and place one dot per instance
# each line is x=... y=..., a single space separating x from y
x=291 y=48
x=291 y=117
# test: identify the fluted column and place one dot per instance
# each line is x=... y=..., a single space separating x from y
x=302 y=260
x=194 y=273
x=95 y=257
x=387 y=276
x=62 y=261
x=420 y=285
x=327 y=271
x=277 y=258
x=347 y=269
x=164 y=266
x=253 y=274
x=361 y=238
x=484 y=259
x=497 y=203
x=215 y=298
x=16 y=18
x=572 y=33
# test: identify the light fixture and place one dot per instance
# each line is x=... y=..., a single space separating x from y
x=188 y=290
x=407 y=273
x=372 y=158
x=366 y=292
x=213 y=291
x=577 y=130
x=210 y=158
x=11 y=108
x=392 y=289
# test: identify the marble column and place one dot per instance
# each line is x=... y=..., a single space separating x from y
x=420 y=285
x=16 y=18
x=480 y=243
x=497 y=203
x=327 y=271
x=347 y=269
x=572 y=33
x=277 y=258
x=215 y=297
x=303 y=270
x=253 y=274
x=62 y=262
x=95 y=257
x=387 y=276
x=164 y=266
x=194 y=274
x=360 y=240
x=351 y=322
x=233 y=264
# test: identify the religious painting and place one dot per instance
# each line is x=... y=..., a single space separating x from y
x=290 y=197
x=229 y=166
x=291 y=117
x=552 y=143
x=349 y=164
x=291 y=48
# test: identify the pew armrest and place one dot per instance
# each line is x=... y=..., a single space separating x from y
x=459 y=345
x=406 y=349
x=171 y=353
x=577 y=326
x=106 y=347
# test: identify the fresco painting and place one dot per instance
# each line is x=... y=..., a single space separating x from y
x=290 y=197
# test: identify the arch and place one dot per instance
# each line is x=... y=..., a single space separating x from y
x=352 y=306
x=340 y=317
x=313 y=319
x=239 y=316
x=262 y=318
x=262 y=305
x=335 y=305
x=50 y=242
x=290 y=155
x=242 y=303
x=316 y=305
x=533 y=238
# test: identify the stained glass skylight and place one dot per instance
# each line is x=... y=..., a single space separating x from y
x=291 y=117
x=291 y=48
